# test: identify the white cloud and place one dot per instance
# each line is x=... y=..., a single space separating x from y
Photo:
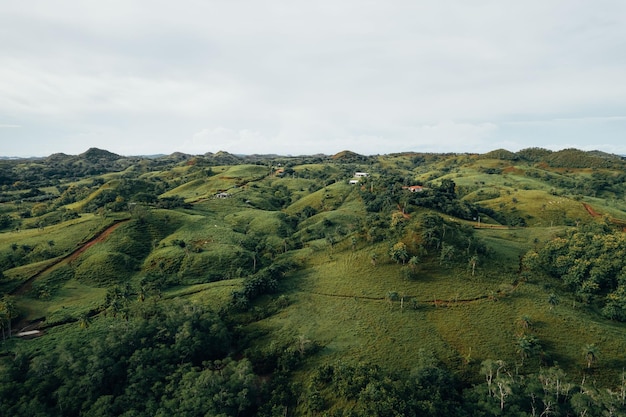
x=300 y=77
x=224 y=139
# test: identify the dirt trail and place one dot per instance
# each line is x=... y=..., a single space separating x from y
x=590 y=210
x=436 y=302
x=617 y=222
x=28 y=284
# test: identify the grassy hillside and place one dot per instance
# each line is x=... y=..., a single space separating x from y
x=298 y=271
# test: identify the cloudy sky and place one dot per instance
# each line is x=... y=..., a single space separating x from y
x=316 y=76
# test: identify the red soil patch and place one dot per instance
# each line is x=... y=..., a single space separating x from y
x=513 y=170
x=590 y=210
x=593 y=213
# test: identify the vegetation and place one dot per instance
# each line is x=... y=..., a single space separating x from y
x=216 y=284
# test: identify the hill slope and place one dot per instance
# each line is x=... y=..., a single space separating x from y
x=297 y=292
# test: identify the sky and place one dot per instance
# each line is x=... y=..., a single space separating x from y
x=292 y=77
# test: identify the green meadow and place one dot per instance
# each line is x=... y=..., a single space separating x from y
x=295 y=270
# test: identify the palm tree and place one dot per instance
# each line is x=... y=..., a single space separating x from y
x=525 y=322
x=141 y=293
x=84 y=321
x=3 y=321
x=414 y=263
x=527 y=346
x=254 y=260
x=473 y=260
x=398 y=252
x=391 y=297
x=552 y=300
x=590 y=352
x=303 y=342
x=446 y=254
x=8 y=311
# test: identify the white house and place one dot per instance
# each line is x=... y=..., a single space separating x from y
x=414 y=188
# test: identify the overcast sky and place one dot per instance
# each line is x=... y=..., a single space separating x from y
x=316 y=76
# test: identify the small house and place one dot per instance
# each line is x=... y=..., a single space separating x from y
x=414 y=188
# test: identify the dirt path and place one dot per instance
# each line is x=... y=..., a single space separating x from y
x=590 y=210
x=28 y=284
x=435 y=302
x=593 y=213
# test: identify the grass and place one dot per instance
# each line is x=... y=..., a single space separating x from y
x=509 y=244
x=230 y=178
x=63 y=234
x=214 y=294
x=339 y=301
x=24 y=272
x=48 y=245
x=255 y=222
x=72 y=300
x=79 y=205
x=327 y=198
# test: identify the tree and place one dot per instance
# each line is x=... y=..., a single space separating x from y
x=447 y=186
x=553 y=300
x=391 y=297
x=398 y=252
x=527 y=346
x=414 y=262
x=373 y=258
x=84 y=321
x=446 y=255
x=431 y=224
x=590 y=352
x=117 y=300
x=490 y=369
x=8 y=312
x=473 y=260
x=530 y=261
x=303 y=342
x=525 y=322
x=553 y=380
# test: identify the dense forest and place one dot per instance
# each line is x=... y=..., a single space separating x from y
x=410 y=284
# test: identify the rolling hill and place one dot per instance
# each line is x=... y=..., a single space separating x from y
x=300 y=293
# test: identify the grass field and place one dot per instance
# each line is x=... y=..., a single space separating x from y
x=339 y=298
x=340 y=301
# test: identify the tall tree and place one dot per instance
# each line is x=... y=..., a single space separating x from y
x=399 y=253
x=590 y=352
x=8 y=312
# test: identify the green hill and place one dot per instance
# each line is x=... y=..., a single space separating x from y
x=269 y=285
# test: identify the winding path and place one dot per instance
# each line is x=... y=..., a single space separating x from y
x=593 y=213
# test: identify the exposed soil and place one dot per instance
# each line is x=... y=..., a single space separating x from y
x=593 y=213
x=590 y=210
